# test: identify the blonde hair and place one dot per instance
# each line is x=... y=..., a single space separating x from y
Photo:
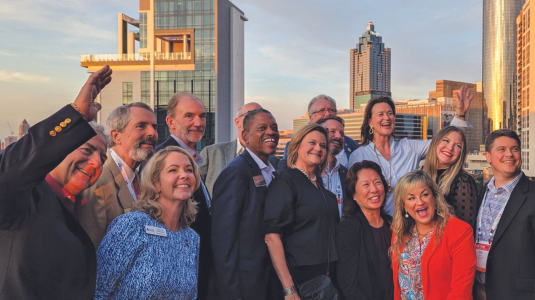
x=150 y=176
x=296 y=142
x=431 y=161
x=401 y=226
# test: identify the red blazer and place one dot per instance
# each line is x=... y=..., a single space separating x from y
x=448 y=270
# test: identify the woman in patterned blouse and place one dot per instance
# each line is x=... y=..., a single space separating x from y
x=433 y=252
x=152 y=253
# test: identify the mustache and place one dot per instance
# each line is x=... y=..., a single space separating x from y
x=146 y=140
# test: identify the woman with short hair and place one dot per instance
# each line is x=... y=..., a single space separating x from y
x=152 y=253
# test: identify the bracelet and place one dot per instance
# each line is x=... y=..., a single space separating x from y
x=289 y=290
x=75 y=107
x=462 y=116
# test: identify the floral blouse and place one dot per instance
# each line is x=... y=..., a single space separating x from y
x=410 y=275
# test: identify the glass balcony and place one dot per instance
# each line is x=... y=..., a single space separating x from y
x=136 y=59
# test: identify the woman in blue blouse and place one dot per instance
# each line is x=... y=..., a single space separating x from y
x=152 y=253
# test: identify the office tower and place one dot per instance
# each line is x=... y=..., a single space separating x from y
x=8 y=141
x=23 y=128
x=194 y=46
x=369 y=75
x=499 y=60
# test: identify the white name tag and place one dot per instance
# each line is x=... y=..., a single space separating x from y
x=155 y=231
x=482 y=252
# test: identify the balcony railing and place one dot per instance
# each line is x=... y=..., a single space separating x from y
x=138 y=57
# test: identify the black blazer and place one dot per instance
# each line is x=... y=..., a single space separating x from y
x=511 y=261
x=241 y=257
x=203 y=226
x=358 y=259
x=44 y=252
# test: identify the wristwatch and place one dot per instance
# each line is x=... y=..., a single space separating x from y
x=288 y=291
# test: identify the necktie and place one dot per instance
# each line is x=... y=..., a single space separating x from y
x=137 y=188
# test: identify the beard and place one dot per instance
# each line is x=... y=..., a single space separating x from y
x=138 y=154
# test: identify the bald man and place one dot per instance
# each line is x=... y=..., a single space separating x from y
x=218 y=156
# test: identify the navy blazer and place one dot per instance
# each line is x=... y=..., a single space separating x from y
x=241 y=257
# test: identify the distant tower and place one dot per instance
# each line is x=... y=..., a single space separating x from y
x=23 y=128
x=369 y=68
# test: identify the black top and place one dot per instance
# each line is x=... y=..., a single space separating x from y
x=306 y=220
x=383 y=239
x=463 y=197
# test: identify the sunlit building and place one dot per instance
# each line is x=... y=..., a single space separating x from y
x=284 y=137
x=194 y=46
x=8 y=141
x=23 y=128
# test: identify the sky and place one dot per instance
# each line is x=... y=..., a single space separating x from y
x=294 y=50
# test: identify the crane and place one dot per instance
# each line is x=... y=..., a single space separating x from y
x=12 y=133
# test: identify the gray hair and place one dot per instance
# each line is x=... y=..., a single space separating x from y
x=173 y=102
x=100 y=129
x=318 y=97
x=120 y=117
x=241 y=107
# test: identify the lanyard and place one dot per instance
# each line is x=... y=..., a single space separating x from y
x=120 y=164
x=494 y=225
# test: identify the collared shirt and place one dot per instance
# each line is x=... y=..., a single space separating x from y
x=405 y=156
x=128 y=174
x=342 y=158
x=73 y=203
x=332 y=182
x=196 y=156
x=239 y=147
x=493 y=202
x=267 y=170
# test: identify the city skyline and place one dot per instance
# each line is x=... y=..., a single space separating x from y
x=289 y=55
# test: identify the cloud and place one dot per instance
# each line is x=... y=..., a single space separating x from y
x=22 y=77
x=5 y=53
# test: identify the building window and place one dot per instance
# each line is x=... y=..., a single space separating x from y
x=127 y=93
x=143 y=30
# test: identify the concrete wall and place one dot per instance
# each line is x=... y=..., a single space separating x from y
x=237 y=63
x=112 y=96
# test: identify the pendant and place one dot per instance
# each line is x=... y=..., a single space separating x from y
x=389 y=188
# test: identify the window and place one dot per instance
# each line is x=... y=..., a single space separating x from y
x=127 y=93
x=143 y=30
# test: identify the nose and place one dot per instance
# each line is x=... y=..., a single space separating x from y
x=95 y=161
x=373 y=188
x=198 y=122
x=152 y=131
x=337 y=134
x=419 y=201
x=508 y=152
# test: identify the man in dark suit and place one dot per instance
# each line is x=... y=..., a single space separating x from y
x=241 y=258
x=320 y=107
x=44 y=252
x=334 y=178
x=186 y=119
x=505 y=232
x=217 y=156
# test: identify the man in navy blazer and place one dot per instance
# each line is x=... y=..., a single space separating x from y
x=241 y=258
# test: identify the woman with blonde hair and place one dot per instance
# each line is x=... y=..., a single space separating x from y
x=433 y=253
x=444 y=164
x=152 y=253
x=301 y=215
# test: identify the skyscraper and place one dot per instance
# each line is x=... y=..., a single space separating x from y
x=499 y=60
x=23 y=128
x=369 y=75
x=194 y=46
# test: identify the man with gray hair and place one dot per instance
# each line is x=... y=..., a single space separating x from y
x=134 y=134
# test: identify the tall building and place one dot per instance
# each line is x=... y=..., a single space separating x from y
x=8 y=141
x=499 y=60
x=23 y=128
x=194 y=46
x=369 y=74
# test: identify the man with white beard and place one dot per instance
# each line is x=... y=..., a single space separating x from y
x=133 y=132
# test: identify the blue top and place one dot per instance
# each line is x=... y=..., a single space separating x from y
x=135 y=265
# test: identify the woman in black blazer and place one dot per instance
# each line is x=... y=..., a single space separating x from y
x=363 y=237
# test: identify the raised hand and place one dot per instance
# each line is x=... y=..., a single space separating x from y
x=94 y=84
x=464 y=98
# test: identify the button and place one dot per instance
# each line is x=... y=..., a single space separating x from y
x=67 y=120
x=62 y=124
x=57 y=129
x=69 y=197
x=52 y=133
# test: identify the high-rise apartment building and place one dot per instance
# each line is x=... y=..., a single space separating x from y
x=499 y=61
x=194 y=46
x=23 y=128
x=8 y=141
x=369 y=74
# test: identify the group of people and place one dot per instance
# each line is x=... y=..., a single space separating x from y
x=90 y=213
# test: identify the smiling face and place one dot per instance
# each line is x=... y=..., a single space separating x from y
x=382 y=119
x=449 y=150
x=263 y=136
x=189 y=121
x=369 y=190
x=312 y=150
x=82 y=167
x=177 y=178
x=420 y=204
x=504 y=157
x=336 y=136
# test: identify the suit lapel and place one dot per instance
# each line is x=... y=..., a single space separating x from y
x=255 y=170
x=517 y=198
x=426 y=256
x=367 y=233
x=125 y=198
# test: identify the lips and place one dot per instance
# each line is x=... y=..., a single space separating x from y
x=422 y=212
x=183 y=186
x=84 y=172
x=447 y=153
x=375 y=199
x=386 y=125
x=270 y=141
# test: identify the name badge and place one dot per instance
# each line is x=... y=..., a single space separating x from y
x=155 y=231
x=482 y=252
x=259 y=180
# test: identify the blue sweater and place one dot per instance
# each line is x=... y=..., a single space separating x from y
x=135 y=265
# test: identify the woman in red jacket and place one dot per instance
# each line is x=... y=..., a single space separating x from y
x=433 y=253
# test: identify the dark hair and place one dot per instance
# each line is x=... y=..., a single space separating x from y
x=350 y=205
x=489 y=141
x=249 y=117
x=367 y=137
x=336 y=118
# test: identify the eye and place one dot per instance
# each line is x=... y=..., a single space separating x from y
x=188 y=116
x=411 y=198
x=323 y=146
x=202 y=116
x=459 y=146
x=86 y=151
x=172 y=170
x=262 y=128
x=155 y=126
x=365 y=185
x=390 y=113
x=189 y=170
x=425 y=195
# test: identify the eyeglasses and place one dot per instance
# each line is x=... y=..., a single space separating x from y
x=325 y=111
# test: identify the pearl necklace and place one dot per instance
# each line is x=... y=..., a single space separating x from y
x=304 y=173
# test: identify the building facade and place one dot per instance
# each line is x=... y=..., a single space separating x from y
x=8 y=141
x=499 y=61
x=369 y=74
x=194 y=46
x=23 y=128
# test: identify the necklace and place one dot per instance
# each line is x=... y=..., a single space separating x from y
x=313 y=179
x=381 y=165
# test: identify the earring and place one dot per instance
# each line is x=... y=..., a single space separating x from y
x=371 y=130
x=157 y=195
x=406 y=215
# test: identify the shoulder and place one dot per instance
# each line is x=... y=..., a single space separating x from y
x=456 y=227
x=170 y=141
x=348 y=223
x=192 y=235
x=131 y=219
x=464 y=176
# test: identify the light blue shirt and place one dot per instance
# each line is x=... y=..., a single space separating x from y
x=331 y=181
x=405 y=156
x=267 y=170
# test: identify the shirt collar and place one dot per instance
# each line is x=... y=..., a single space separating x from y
x=238 y=146
x=335 y=169
x=196 y=156
x=63 y=194
x=509 y=187
x=122 y=165
x=268 y=168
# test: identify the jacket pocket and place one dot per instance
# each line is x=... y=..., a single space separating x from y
x=525 y=285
